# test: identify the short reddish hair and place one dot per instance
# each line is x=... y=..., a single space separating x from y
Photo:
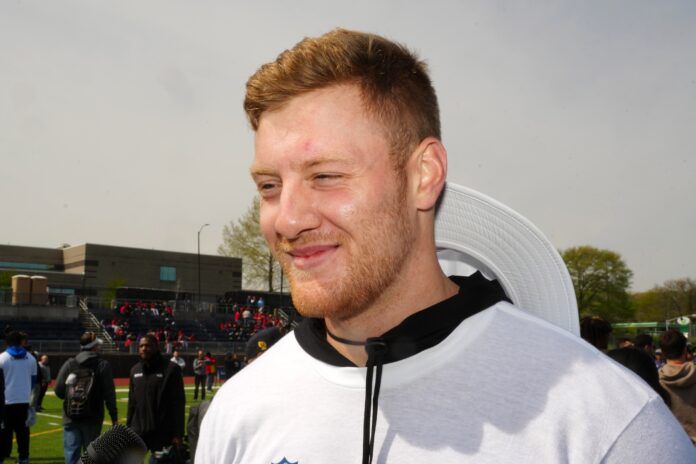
x=394 y=83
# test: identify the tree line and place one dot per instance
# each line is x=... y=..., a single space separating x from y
x=602 y=280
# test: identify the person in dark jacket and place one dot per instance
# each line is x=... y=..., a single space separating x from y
x=156 y=398
x=78 y=432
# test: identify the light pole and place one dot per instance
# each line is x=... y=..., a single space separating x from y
x=199 y=264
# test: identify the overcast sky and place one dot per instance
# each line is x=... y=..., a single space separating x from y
x=121 y=121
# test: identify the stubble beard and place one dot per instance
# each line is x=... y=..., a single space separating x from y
x=374 y=264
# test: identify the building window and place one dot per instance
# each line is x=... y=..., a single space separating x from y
x=167 y=274
x=27 y=266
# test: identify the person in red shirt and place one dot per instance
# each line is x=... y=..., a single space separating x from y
x=210 y=370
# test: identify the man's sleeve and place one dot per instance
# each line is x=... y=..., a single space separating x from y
x=207 y=449
x=654 y=435
x=109 y=390
x=131 y=400
x=59 y=388
x=178 y=397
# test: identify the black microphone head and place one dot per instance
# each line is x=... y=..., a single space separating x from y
x=118 y=445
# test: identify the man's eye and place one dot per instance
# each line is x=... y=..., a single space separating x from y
x=324 y=178
x=267 y=188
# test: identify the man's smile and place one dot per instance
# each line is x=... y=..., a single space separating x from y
x=308 y=257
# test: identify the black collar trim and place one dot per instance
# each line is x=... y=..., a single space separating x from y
x=417 y=332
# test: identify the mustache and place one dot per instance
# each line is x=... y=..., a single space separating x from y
x=312 y=238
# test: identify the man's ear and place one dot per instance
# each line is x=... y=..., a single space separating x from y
x=428 y=168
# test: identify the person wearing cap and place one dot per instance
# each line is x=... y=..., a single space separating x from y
x=395 y=361
x=260 y=342
x=78 y=432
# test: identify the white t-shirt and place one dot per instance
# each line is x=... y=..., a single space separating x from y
x=18 y=373
x=503 y=387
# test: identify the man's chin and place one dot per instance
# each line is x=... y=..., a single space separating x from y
x=326 y=304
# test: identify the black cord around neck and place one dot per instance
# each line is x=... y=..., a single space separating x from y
x=345 y=341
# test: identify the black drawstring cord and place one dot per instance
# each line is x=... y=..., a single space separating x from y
x=376 y=349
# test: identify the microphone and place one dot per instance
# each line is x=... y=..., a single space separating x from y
x=118 y=445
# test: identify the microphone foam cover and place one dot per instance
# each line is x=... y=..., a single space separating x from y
x=112 y=446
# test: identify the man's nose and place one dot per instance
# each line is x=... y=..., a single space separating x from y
x=297 y=212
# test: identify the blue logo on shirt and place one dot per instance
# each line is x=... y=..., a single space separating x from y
x=285 y=461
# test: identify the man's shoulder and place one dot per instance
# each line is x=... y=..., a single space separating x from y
x=539 y=352
x=274 y=370
x=68 y=363
x=537 y=335
x=136 y=368
x=171 y=367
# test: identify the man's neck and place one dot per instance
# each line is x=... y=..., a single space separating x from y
x=423 y=286
x=676 y=362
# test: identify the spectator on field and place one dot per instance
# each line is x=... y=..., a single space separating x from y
x=45 y=370
x=19 y=370
x=231 y=365
x=199 y=375
x=678 y=376
x=659 y=359
x=178 y=360
x=85 y=383
x=260 y=342
x=156 y=398
x=643 y=365
x=210 y=370
x=595 y=331
x=644 y=342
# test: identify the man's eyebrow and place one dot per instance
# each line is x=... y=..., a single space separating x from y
x=325 y=160
x=260 y=170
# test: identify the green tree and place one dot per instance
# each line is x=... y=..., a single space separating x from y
x=648 y=306
x=6 y=278
x=601 y=280
x=109 y=294
x=672 y=299
x=243 y=239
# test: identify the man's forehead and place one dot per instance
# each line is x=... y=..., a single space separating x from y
x=317 y=126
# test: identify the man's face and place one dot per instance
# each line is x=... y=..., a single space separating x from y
x=333 y=207
x=146 y=349
x=175 y=354
x=44 y=359
x=200 y=355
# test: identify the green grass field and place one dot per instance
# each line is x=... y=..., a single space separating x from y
x=46 y=443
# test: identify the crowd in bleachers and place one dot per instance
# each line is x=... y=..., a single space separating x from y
x=129 y=321
x=247 y=319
